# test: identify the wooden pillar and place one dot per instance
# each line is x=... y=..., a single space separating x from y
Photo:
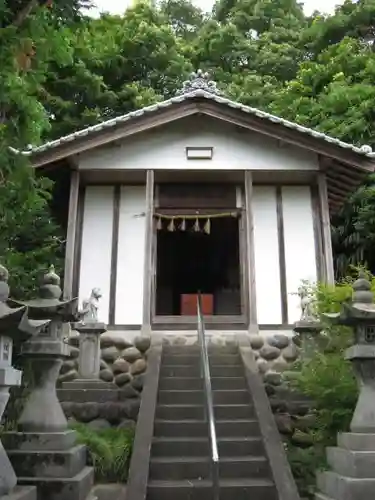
x=282 y=261
x=148 y=271
x=328 y=270
x=114 y=254
x=71 y=234
x=250 y=255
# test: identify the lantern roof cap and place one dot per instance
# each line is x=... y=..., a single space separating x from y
x=49 y=302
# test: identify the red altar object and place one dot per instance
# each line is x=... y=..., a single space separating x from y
x=189 y=304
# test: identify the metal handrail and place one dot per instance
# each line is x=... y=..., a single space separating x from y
x=209 y=400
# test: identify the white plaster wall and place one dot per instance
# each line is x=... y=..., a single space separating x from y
x=233 y=149
x=96 y=247
x=266 y=249
x=300 y=256
x=130 y=259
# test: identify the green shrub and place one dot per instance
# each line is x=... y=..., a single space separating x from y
x=109 y=451
x=328 y=379
x=305 y=462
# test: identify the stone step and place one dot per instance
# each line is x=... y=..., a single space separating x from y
x=88 y=384
x=356 y=464
x=77 y=487
x=192 y=446
x=227 y=397
x=196 y=383
x=195 y=349
x=89 y=395
x=340 y=487
x=195 y=467
x=195 y=359
x=195 y=371
x=230 y=489
x=199 y=428
x=197 y=412
x=49 y=464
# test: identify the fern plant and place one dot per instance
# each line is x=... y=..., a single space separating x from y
x=109 y=451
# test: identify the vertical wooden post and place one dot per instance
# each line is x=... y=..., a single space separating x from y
x=282 y=262
x=148 y=272
x=250 y=255
x=318 y=235
x=326 y=229
x=71 y=234
x=114 y=254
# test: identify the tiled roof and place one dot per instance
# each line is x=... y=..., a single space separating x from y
x=198 y=87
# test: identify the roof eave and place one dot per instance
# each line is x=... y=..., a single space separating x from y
x=199 y=104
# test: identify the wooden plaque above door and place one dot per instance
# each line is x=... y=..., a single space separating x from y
x=197 y=196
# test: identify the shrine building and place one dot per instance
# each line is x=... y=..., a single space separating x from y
x=198 y=193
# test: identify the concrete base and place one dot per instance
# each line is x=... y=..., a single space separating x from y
x=21 y=493
x=355 y=464
x=356 y=442
x=340 y=487
x=78 y=487
x=353 y=469
x=47 y=441
x=51 y=462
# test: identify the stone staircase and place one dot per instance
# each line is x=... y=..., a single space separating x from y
x=180 y=466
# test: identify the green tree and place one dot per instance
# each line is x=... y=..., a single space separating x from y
x=335 y=93
x=29 y=40
x=118 y=64
x=184 y=17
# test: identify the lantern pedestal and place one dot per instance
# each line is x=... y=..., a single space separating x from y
x=89 y=360
x=308 y=332
x=89 y=351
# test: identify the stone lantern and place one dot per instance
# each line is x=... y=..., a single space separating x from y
x=43 y=451
x=14 y=327
x=9 y=376
x=46 y=351
x=353 y=460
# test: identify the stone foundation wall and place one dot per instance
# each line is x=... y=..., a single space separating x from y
x=123 y=364
x=122 y=361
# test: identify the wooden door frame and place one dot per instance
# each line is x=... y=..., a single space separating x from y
x=215 y=321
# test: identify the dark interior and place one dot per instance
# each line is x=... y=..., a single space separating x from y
x=189 y=261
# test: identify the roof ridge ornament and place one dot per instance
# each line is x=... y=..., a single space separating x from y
x=199 y=80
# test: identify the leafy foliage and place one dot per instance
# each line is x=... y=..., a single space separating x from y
x=109 y=451
x=63 y=71
x=330 y=382
x=31 y=36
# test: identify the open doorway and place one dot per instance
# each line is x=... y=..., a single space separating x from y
x=189 y=261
